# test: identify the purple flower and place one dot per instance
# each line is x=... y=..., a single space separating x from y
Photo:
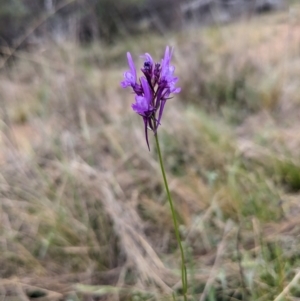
x=142 y=104
x=165 y=64
x=148 y=64
x=154 y=89
x=129 y=76
x=167 y=72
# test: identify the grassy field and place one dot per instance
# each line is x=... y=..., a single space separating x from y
x=83 y=212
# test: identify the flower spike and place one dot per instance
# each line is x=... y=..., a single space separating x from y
x=153 y=89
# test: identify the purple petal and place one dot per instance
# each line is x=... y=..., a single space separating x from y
x=147 y=90
x=158 y=97
x=167 y=57
x=147 y=58
x=174 y=89
x=131 y=65
x=141 y=105
x=124 y=84
x=177 y=90
x=129 y=80
x=167 y=70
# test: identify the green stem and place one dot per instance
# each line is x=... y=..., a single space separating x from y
x=183 y=267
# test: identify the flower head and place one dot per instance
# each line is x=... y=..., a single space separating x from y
x=153 y=89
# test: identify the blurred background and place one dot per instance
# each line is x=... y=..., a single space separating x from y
x=83 y=213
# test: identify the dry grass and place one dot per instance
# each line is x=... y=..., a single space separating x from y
x=83 y=212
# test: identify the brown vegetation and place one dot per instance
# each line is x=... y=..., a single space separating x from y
x=83 y=211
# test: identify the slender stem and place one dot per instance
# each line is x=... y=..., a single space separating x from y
x=183 y=267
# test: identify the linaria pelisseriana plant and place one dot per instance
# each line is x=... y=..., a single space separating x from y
x=151 y=94
x=152 y=90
